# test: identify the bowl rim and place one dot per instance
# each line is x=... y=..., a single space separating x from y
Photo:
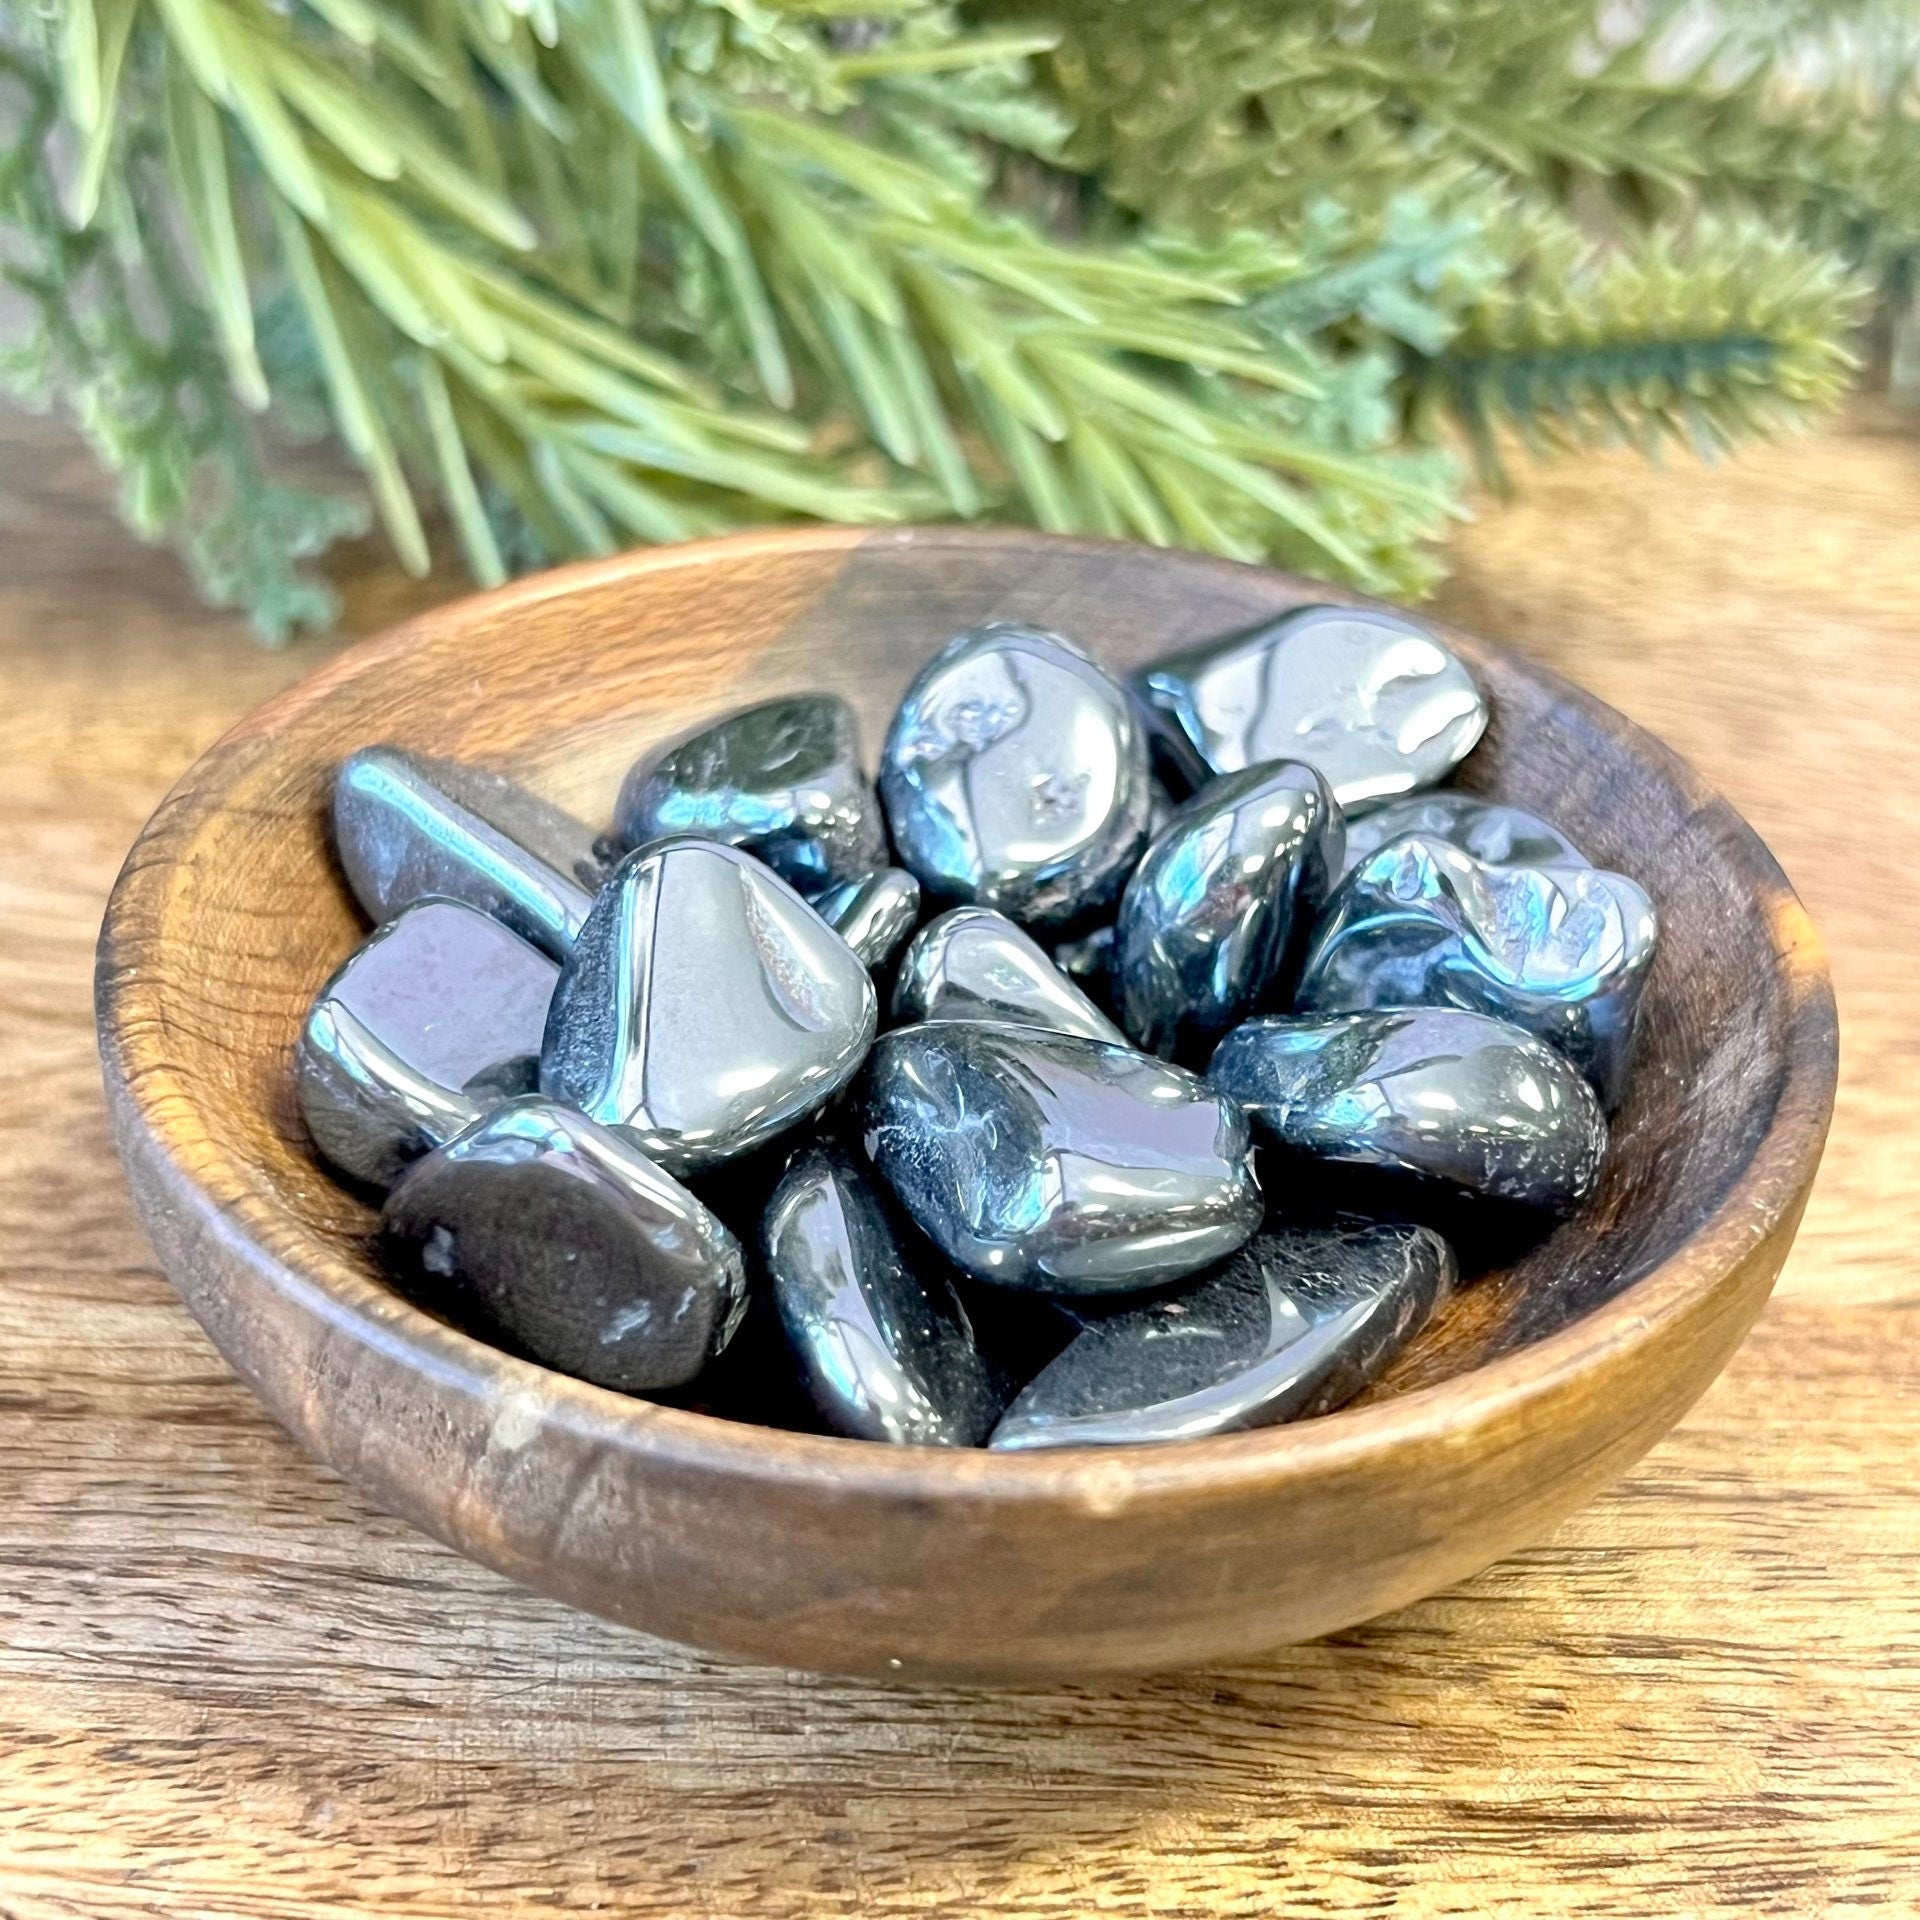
x=332 y=1289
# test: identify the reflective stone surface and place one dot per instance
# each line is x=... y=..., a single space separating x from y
x=1296 y=1323
x=1215 y=919
x=406 y=826
x=1375 y=703
x=872 y=915
x=1496 y=835
x=1455 y=1099
x=1087 y=960
x=781 y=780
x=1045 y=1160
x=883 y=1340
x=1561 y=951
x=436 y=1018
x=706 y=1007
x=974 y=964
x=1015 y=775
x=558 y=1238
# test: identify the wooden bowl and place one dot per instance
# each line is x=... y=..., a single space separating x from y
x=1536 y=1387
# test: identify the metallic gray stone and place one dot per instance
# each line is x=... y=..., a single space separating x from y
x=1561 y=951
x=872 y=915
x=1016 y=775
x=706 y=1006
x=1376 y=703
x=406 y=826
x=781 y=780
x=436 y=1018
x=562 y=1240
x=975 y=964
x=1044 y=1160
x=1216 y=918
x=1453 y=1100
x=881 y=1336
x=1496 y=835
x=1296 y=1323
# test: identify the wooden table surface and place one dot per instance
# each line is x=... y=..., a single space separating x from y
x=229 y=1688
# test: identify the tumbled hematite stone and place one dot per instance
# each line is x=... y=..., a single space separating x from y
x=1449 y=1099
x=1015 y=775
x=882 y=1338
x=1495 y=834
x=706 y=1007
x=1087 y=960
x=406 y=826
x=436 y=1018
x=1372 y=701
x=974 y=964
x=1562 y=951
x=1296 y=1323
x=781 y=780
x=561 y=1239
x=1216 y=917
x=1045 y=1160
x=872 y=915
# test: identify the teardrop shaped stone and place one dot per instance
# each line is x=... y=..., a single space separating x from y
x=1215 y=920
x=1296 y=1323
x=436 y=1018
x=1045 y=1160
x=872 y=915
x=706 y=1006
x=1562 y=951
x=1015 y=775
x=974 y=964
x=562 y=1240
x=1495 y=834
x=1452 y=1100
x=781 y=780
x=1372 y=701
x=406 y=826
x=882 y=1339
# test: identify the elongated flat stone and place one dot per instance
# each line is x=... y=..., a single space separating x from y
x=882 y=1339
x=1296 y=1323
x=406 y=827
x=1045 y=1160
x=1215 y=920
x=974 y=964
x=1374 y=702
x=1016 y=775
x=781 y=780
x=1430 y=1094
x=706 y=1006
x=1495 y=834
x=434 y=1019
x=1562 y=951
x=872 y=915
x=561 y=1239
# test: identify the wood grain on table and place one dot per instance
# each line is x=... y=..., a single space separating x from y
x=229 y=1688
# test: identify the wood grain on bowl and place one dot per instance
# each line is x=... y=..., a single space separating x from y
x=1531 y=1391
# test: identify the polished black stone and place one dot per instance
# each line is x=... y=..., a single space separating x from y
x=1296 y=1323
x=1452 y=1100
x=1561 y=951
x=435 y=1019
x=781 y=780
x=881 y=1337
x=706 y=1006
x=1087 y=960
x=1374 y=702
x=559 y=1238
x=1214 y=922
x=872 y=915
x=1044 y=1160
x=974 y=964
x=1016 y=775
x=406 y=827
x=1495 y=834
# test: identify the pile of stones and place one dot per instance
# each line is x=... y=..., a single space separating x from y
x=1016 y=1102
